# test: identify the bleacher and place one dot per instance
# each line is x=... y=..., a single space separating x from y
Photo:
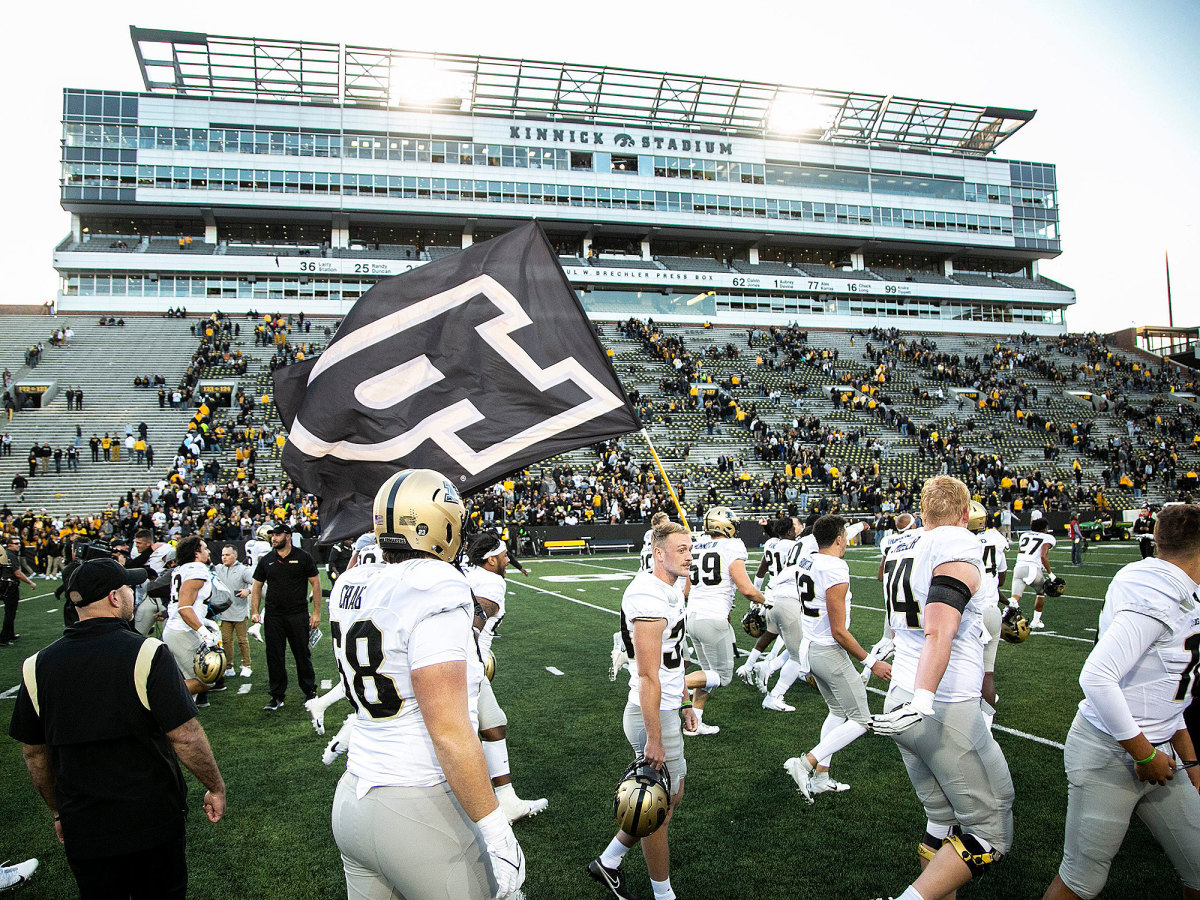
x=765 y=268
x=103 y=361
x=692 y=263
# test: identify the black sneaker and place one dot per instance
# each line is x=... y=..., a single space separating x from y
x=274 y=705
x=613 y=879
x=202 y=701
x=219 y=686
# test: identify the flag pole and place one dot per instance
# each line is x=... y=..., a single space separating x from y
x=667 y=481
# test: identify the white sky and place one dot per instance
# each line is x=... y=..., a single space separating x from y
x=1116 y=85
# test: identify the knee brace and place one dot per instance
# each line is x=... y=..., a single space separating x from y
x=931 y=842
x=973 y=852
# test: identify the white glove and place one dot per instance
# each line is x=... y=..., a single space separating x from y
x=746 y=673
x=904 y=718
x=880 y=651
x=255 y=631
x=504 y=853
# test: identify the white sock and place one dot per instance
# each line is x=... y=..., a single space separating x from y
x=836 y=739
x=776 y=648
x=496 y=754
x=752 y=658
x=780 y=661
x=1037 y=617
x=613 y=854
x=787 y=677
x=1012 y=601
x=910 y=893
x=699 y=714
x=329 y=698
x=827 y=728
x=662 y=890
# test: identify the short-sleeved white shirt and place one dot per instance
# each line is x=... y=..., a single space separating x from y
x=1029 y=547
x=388 y=620
x=193 y=571
x=648 y=597
x=815 y=575
x=711 y=596
x=908 y=572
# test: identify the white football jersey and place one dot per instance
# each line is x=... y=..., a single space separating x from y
x=647 y=551
x=995 y=545
x=775 y=551
x=193 y=571
x=487 y=586
x=806 y=546
x=712 y=592
x=816 y=574
x=889 y=542
x=387 y=620
x=256 y=550
x=648 y=597
x=908 y=572
x=783 y=581
x=1029 y=547
x=1166 y=679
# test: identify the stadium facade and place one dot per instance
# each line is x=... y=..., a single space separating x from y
x=291 y=176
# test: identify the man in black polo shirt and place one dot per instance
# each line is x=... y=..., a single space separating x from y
x=104 y=718
x=10 y=588
x=289 y=573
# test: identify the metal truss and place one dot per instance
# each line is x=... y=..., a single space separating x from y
x=193 y=64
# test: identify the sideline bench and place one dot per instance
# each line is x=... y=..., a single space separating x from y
x=580 y=545
x=603 y=546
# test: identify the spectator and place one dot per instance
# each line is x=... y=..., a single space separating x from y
x=239 y=579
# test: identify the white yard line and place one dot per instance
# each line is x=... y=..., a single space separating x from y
x=534 y=587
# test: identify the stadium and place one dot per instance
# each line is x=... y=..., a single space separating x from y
x=815 y=300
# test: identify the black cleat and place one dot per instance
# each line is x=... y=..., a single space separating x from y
x=274 y=705
x=612 y=879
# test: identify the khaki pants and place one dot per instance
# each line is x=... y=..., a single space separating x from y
x=228 y=629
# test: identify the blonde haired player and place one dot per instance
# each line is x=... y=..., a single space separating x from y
x=933 y=591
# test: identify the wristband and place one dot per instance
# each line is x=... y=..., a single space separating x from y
x=1142 y=762
x=57 y=818
x=922 y=701
x=687 y=704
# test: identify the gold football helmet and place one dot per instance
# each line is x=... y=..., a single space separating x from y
x=489 y=665
x=977 y=517
x=419 y=509
x=642 y=799
x=721 y=520
x=1013 y=626
x=208 y=664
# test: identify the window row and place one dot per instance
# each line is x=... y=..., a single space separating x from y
x=87 y=143
x=181 y=178
x=230 y=286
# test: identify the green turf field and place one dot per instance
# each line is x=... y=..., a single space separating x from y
x=742 y=830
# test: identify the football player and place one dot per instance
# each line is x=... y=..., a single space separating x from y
x=652 y=624
x=1128 y=739
x=904 y=522
x=415 y=810
x=933 y=595
x=256 y=548
x=823 y=586
x=778 y=554
x=995 y=571
x=487 y=558
x=1032 y=568
x=718 y=573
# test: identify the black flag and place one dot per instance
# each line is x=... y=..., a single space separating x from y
x=475 y=365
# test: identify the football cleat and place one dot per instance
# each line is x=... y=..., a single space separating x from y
x=801 y=773
x=1039 y=624
x=317 y=711
x=822 y=784
x=701 y=728
x=17 y=875
x=619 y=657
x=612 y=879
x=777 y=703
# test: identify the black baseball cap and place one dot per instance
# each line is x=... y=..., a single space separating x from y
x=97 y=578
x=281 y=528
